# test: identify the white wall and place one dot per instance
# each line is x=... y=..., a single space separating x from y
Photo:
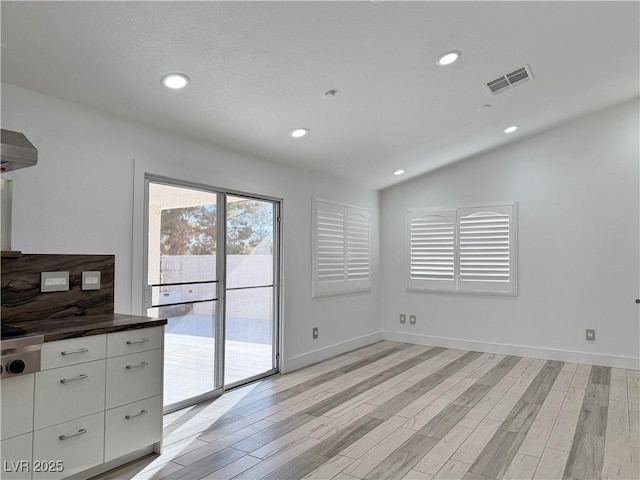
x=84 y=197
x=577 y=188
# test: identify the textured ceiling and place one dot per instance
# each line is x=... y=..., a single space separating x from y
x=259 y=69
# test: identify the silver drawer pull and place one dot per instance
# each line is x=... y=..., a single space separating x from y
x=141 y=364
x=133 y=342
x=129 y=417
x=79 y=377
x=82 y=431
x=71 y=352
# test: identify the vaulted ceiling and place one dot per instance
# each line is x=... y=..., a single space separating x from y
x=260 y=69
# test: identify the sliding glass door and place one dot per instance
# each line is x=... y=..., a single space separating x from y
x=250 y=327
x=212 y=270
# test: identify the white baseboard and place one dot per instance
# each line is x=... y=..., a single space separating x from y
x=617 y=361
x=294 y=363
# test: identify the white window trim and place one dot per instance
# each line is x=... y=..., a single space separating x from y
x=411 y=286
x=346 y=286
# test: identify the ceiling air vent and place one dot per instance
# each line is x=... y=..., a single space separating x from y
x=509 y=80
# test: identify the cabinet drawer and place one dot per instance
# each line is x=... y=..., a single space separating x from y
x=77 y=445
x=16 y=457
x=132 y=427
x=17 y=405
x=69 y=392
x=134 y=341
x=72 y=351
x=133 y=377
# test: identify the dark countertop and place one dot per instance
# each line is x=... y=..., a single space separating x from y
x=84 y=326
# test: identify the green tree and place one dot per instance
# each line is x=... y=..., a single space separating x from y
x=188 y=231
x=192 y=230
x=249 y=224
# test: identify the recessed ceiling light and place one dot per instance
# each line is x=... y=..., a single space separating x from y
x=449 y=57
x=175 y=81
x=299 y=132
x=511 y=129
x=484 y=107
x=398 y=172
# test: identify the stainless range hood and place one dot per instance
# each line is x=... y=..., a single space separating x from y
x=16 y=151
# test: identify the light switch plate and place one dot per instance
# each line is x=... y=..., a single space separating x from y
x=412 y=319
x=91 y=280
x=403 y=318
x=54 y=281
x=591 y=334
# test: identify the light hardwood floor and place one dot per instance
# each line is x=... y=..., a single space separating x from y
x=395 y=410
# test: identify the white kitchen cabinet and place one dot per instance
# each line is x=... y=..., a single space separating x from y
x=98 y=399
x=77 y=445
x=72 y=351
x=17 y=405
x=133 y=377
x=16 y=456
x=69 y=392
x=134 y=341
x=133 y=426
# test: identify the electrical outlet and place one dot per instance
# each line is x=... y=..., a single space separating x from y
x=403 y=318
x=315 y=332
x=91 y=280
x=54 y=281
x=591 y=334
x=412 y=319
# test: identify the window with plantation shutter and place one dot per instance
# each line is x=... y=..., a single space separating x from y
x=487 y=249
x=330 y=245
x=432 y=249
x=470 y=249
x=341 y=242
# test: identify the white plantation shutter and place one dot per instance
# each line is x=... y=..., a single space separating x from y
x=341 y=258
x=432 y=249
x=358 y=259
x=330 y=247
x=471 y=249
x=487 y=249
